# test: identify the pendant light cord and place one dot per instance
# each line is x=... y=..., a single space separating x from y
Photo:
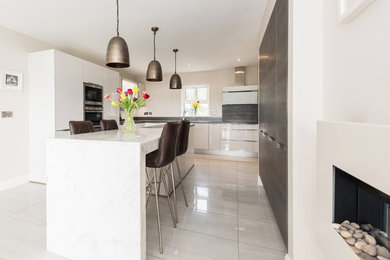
x=117 y=17
x=175 y=62
x=154 y=44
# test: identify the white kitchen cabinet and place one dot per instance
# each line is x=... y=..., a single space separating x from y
x=227 y=139
x=214 y=137
x=68 y=89
x=240 y=137
x=56 y=96
x=93 y=73
x=112 y=81
x=201 y=135
x=241 y=146
x=240 y=132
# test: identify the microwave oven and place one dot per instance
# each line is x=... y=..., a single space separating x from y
x=93 y=94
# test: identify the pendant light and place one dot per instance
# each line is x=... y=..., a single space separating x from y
x=175 y=82
x=154 y=72
x=117 y=51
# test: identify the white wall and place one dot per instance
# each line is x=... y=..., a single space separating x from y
x=305 y=108
x=337 y=72
x=167 y=102
x=14 y=48
x=356 y=65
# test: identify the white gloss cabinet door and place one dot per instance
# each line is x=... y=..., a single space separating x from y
x=112 y=81
x=214 y=137
x=201 y=138
x=68 y=90
x=93 y=73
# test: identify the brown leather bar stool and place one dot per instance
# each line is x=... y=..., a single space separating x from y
x=81 y=127
x=108 y=125
x=181 y=148
x=162 y=157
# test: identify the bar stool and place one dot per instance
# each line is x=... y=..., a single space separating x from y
x=81 y=127
x=181 y=148
x=108 y=125
x=163 y=156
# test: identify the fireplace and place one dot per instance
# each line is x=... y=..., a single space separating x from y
x=361 y=216
x=352 y=183
x=358 y=202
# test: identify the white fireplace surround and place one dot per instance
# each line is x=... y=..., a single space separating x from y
x=362 y=150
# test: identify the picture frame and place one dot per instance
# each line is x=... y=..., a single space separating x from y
x=11 y=80
x=349 y=9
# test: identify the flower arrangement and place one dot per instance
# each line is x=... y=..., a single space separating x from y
x=129 y=103
x=195 y=106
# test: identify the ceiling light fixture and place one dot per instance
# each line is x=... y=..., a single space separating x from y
x=175 y=82
x=154 y=71
x=117 y=55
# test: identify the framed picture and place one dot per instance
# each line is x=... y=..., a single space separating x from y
x=349 y=9
x=11 y=80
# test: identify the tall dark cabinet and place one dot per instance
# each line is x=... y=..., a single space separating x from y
x=273 y=76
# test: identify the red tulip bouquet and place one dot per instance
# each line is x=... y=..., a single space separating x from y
x=129 y=103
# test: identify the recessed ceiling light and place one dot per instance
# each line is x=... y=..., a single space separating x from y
x=188 y=64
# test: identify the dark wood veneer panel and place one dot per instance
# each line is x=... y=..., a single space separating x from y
x=273 y=79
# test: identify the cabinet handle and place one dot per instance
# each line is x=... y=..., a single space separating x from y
x=279 y=146
x=271 y=139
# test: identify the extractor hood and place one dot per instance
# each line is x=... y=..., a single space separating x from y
x=239 y=76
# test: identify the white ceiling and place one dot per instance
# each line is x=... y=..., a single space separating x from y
x=210 y=34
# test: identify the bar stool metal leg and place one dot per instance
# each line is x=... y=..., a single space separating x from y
x=181 y=182
x=164 y=181
x=158 y=211
x=174 y=193
x=149 y=186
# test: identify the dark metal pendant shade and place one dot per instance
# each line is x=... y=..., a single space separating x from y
x=154 y=71
x=117 y=53
x=175 y=82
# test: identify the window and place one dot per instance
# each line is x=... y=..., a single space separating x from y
x=195 y=93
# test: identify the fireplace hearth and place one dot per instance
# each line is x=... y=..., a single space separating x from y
x=365 y=240
x=361 y=216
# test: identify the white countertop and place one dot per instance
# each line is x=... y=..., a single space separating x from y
x=141 y=136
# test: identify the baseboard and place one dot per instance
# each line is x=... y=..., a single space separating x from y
x=259 y=182
x=8 y=184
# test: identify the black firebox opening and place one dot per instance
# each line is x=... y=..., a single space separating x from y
x=359 y=202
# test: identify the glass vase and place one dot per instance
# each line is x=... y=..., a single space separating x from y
x=129 y=125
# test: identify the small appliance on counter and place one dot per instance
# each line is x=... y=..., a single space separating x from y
x=93 y=103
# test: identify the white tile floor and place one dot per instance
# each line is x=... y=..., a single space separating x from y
x=228 y=217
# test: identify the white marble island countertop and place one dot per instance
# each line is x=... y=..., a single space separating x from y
x=142 y=136
x=96 y=194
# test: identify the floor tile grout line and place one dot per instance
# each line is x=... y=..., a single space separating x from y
x=238 y=217
x=197 y=232
x=265 y=247
x=21 y=220
x=183 y=250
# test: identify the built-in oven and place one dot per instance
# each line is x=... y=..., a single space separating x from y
x=93 y=94
x=93 y=103
x=239 y=104
x=93 y=116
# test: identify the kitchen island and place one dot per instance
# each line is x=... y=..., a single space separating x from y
x=96 y=193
